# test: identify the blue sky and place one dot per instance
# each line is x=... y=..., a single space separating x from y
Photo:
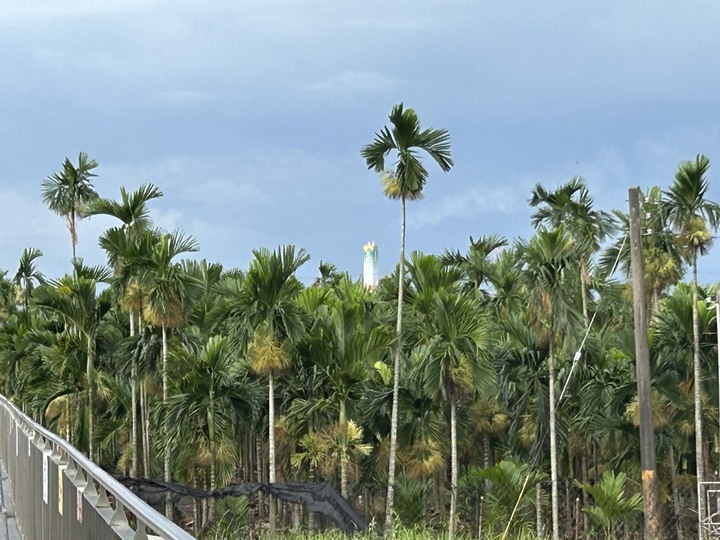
x=250 y=115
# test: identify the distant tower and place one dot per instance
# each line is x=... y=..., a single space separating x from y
x=370 y=266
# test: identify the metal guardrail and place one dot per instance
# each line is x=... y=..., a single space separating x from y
x=60 y=494
x=711 y=519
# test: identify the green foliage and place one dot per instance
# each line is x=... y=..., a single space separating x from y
x=232 y=517
x=508 y=487
x=612 y=506
x=405 y=137
x=68 y=192
x=478 y=329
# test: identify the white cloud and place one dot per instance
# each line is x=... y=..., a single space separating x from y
x=352 y=81
x=220 y=191
x=475 y=202
x=185 y=97
x=68 y=8
x=170 y=219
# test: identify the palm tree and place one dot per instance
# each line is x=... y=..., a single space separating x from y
x=548 y=259
x=405 y=182
x=132 y=209
x=662 y=256
x=213 y=395
x=28 y=275
x=690 y=214
x=345 y=342
x=510 y=496
x=170 y=292
x=127 y=244
x=120 y=244
x=329 y=275
x=673 y=371
x=612 y=506
x=452 y=362
x=69 y=191
x=7 y=297
x=476 y=266
x=572 y=207
x=75 y=301
x=207 y=312
x=268 y=318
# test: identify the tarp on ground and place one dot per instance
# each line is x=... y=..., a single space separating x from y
x=320 y=497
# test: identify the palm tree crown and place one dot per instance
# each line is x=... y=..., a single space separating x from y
x=132 y=209
x=28 y=274
x=68 y=192
x=686 y=207
x=406 y=138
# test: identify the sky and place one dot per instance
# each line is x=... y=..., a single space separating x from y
x=250 y=115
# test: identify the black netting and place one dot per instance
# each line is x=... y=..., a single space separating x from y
x=318 y=497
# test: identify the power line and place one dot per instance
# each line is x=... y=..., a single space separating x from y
x=578 y=354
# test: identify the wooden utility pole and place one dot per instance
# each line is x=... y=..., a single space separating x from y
x=642 y=365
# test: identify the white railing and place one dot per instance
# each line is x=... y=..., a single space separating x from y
x=60 y=494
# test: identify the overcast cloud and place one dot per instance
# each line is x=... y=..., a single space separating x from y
x=250 y=115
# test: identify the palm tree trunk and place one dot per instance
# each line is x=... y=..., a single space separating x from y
x=553 y=446
x=271 y=445
x=655 y=303
x=133 y=398
x=259 y=472
x=453 y=465
x=675 y=492
x=584 y=470
x=145 y=428
x=481 y=500
x=73 y=232
x=700 y=469
x=583 y=291
x=196 y=503
x=213 y=455
x=396 y=379
x=91 y=394
x=166 y=427
x=538 y=510
x=487 y=450
x=343 y=458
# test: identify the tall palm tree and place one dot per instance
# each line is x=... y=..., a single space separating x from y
x=132 y=209
x=691 y=215
x=207 y=312
x=662 y=256
x=548 y=260
x=75 y=301
x=452 y=361
x=27 y=275
x=7 y=297
x=405 y=182
x=268 y=318
x=477 y=267
x=120 y=243
x=170 y=292
x=213 y=395
x=345 y=342
x=68 y=192
x=572 y=207
x=673 y=373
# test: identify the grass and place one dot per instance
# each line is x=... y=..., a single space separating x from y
x=401 y=533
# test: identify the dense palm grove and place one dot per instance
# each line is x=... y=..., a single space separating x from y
x=471 y=391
